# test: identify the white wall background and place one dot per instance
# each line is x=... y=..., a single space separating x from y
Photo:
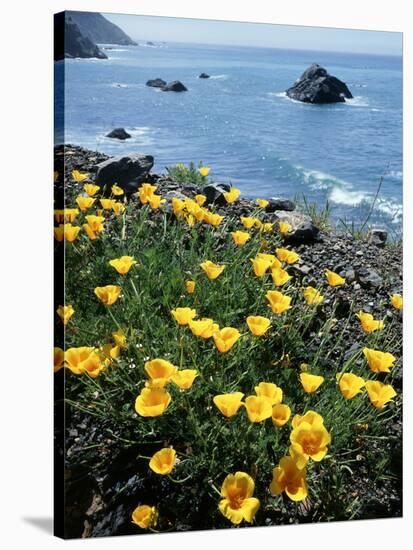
x=26 y=268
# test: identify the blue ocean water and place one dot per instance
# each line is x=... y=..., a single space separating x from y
x=240 y=123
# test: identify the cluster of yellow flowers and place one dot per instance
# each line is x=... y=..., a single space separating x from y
x=309 y=438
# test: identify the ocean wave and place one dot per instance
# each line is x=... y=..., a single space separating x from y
x=342 y=192
x=358 y=101
x=218 y=77
x=396 y=174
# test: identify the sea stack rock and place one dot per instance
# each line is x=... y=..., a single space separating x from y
x=156 y=83
x=118 y=133
x=203 y=75
x=317 y=86
x=174 y=86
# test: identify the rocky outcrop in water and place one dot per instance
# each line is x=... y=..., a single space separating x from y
x=118 y=133
x=203 y=75
x=317 y=86
x=156 y=83
x=174 y=86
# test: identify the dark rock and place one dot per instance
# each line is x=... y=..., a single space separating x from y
x=317 y=86
x=377 y=237
x=203 y=75
x=214 y=193
x=126 y=171
x=303 y=229
x=369 y=278
x=118 y=133
x=174 y=86
x=70 y=42
x=279 y=204
x=156 y=83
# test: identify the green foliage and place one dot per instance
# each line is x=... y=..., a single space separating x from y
x=209 y=445
x=188 y=174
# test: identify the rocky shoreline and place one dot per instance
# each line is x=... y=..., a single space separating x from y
x=99 y=499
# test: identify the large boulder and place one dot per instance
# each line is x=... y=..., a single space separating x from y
x=276 y=203
x=127 y=171
x=118 y=133
x=214 y=193
x=303 y=229
x=174 y=86
x=317 y=86
x=156 y=83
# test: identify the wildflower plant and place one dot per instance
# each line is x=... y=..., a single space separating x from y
x=186 y=348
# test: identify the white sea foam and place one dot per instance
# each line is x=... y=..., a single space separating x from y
x=396 y=174
x=219 y=76
x=118 y=85
x=141 y=136
x=358 y=101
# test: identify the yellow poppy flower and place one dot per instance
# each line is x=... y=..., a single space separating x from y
x=274 y=261
x=145 y=516
x=123 y=264
x=258 y=325
x=91 y=189
x=311 y=382
x=232 y=195
x=278 y=301
x=190 y=286
x=200 y=199
x=212 y=270
x=213 y=219
x=379 y=361
x=117 y=191
x=183 y=315
x=204 y=171
x=228 y=404
x=58 y=359
x=65 y=313
x=238 y=503
x=309 y=441
x=310 y=417
x=368 y=323
x=89 y=232
x=146 y=192
x=396 y=301
x=84 y=360
x=155 y=201
x=160 y=372
x=266 y=227
x=107 y=204
x=177 y=206
x=312 y=296
x=270 y=391
x=280 y=414
x=120 y=338
x=288 y=478
x=108 y=294
x=287 y=256
x=334 y=279
x=70 y=214
x=240 y=237
x=78 y=176
x=163 y=461
x=84 y=202
x=379 y=394
x=59 y=216
x=95 y=223
x=117 y=207
x=262 y=203
x=247 y=222
x=280 y=276
x=203 y=328
x=152 y=402
x=184 y=378
x=350 y=384
x=225 y=338
x=258 y=408
x=66 y=232
x=260 y=266
x=284 y=227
